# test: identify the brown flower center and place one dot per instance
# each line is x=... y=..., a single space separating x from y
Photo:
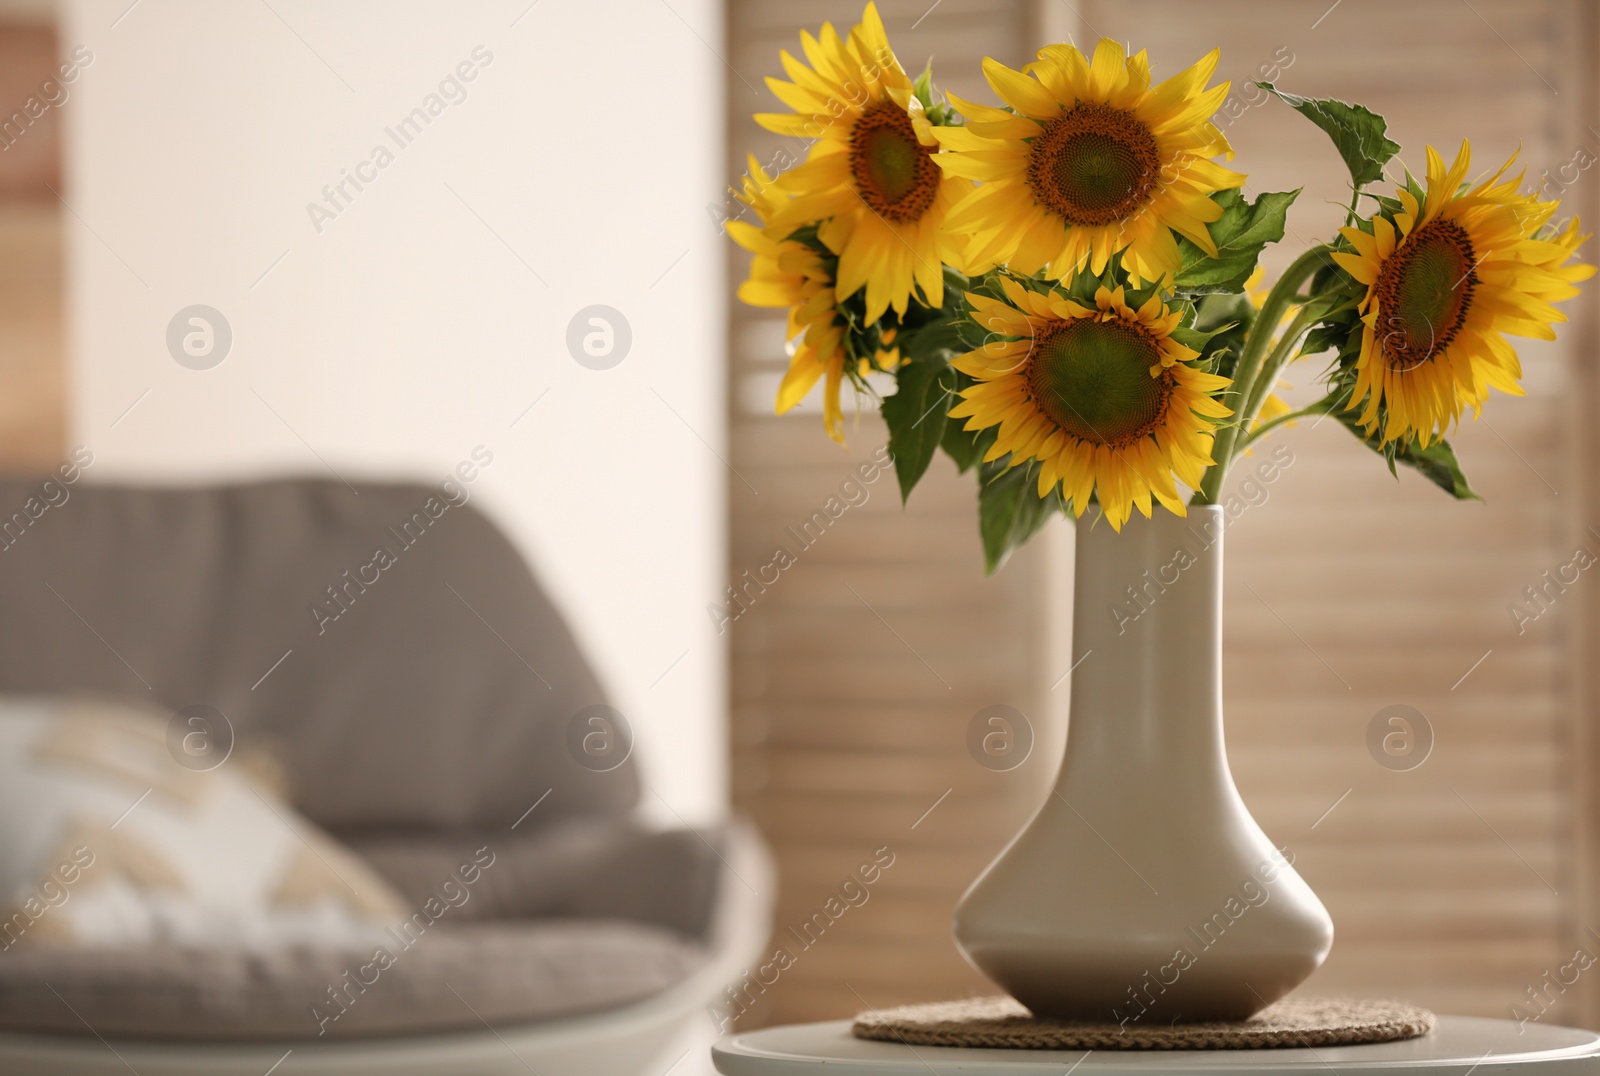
x=1094 y=164
x=1424 y=292
x=894 y=173
x=1092 y=378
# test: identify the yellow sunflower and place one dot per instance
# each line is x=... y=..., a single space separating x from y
x=1447 y=279
x=870 y=172
x=788 y=273
x=1102 y=397
x=1094 y=160
x=1561 y=248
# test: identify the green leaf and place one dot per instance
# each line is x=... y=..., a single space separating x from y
x=1358 y=133
x=923 y=87
x=966 y=447
x=935 y=341
x=1010 y=510
x=1437 y=463
x=1232 y=313
x=1240 y=234
x=1329 y=276
x=916 y=418
x=1327 y=336
x=1200 y=339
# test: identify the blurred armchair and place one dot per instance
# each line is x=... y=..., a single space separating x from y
x=392 y=652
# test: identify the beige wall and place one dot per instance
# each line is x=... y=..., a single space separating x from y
x=432 y=313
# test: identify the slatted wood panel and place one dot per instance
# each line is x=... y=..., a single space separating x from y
x=1585 y=399
x=1451 y=884
x=855 y=675
x=32 y=374
x=32 y=360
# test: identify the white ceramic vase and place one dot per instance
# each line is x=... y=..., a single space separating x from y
x=1143 y=893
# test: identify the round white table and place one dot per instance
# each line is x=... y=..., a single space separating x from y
x=1459 y=1045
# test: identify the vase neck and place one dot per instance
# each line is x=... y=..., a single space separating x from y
x=1147 y=633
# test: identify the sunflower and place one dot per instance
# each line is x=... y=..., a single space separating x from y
x=1093 y=160
x=870 y=172
x=787 y=272
x=1562 y=247
x=1448 y=278
x=1103 y=397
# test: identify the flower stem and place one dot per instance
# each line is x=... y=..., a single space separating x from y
x=1275 y=362
x=1250 y=368
x=1355 y=201
x=1321 y=407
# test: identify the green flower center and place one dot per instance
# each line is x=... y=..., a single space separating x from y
x=1094 y=165
x=1424 y=293
x=1092 y=378
x=894 y=173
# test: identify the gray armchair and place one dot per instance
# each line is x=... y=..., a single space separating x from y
x=392 y=650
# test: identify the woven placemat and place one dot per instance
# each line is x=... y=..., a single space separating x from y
x=1003 y=1022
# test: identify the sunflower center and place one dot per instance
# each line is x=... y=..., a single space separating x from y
x=894 y=173
x=1424 y=292
x=1092 y=378
x=1094 y=164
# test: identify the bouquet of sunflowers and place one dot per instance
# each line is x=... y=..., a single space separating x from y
x=1065 y=288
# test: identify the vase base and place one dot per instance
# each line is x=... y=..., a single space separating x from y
x=1130 y=988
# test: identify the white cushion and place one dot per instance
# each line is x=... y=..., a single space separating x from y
x=106 y=840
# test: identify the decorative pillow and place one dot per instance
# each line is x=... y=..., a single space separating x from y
x=107 y=840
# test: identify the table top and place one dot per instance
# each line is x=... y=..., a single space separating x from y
x=1458 y=1045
